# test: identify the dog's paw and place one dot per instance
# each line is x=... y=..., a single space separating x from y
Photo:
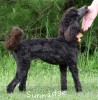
x=9 y=89
x=22 y=88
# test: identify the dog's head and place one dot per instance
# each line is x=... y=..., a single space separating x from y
x=73 y=33
x=69 y=26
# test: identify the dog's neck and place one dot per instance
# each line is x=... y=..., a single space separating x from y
x=70 y=43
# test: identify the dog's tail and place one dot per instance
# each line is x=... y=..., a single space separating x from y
x=13 y=39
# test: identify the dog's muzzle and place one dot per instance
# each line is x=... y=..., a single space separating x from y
x=82 y=11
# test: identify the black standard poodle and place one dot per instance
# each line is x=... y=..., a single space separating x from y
x=62 y=50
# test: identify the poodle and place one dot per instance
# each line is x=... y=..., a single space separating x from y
x=62 y=50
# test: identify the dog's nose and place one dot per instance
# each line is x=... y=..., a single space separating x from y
x=82 y=11
x=86 y=8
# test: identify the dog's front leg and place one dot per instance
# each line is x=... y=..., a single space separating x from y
x=74 y=70
x=63 y=72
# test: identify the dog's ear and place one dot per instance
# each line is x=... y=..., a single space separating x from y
x=71 y=33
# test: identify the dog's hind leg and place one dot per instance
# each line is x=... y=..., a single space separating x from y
x=74 y=70
x=21 y=74
x=63 y=72
x=22 y=86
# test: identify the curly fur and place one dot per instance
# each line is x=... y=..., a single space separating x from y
x=61 y=51
x=67 y=20
x=13 y=39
